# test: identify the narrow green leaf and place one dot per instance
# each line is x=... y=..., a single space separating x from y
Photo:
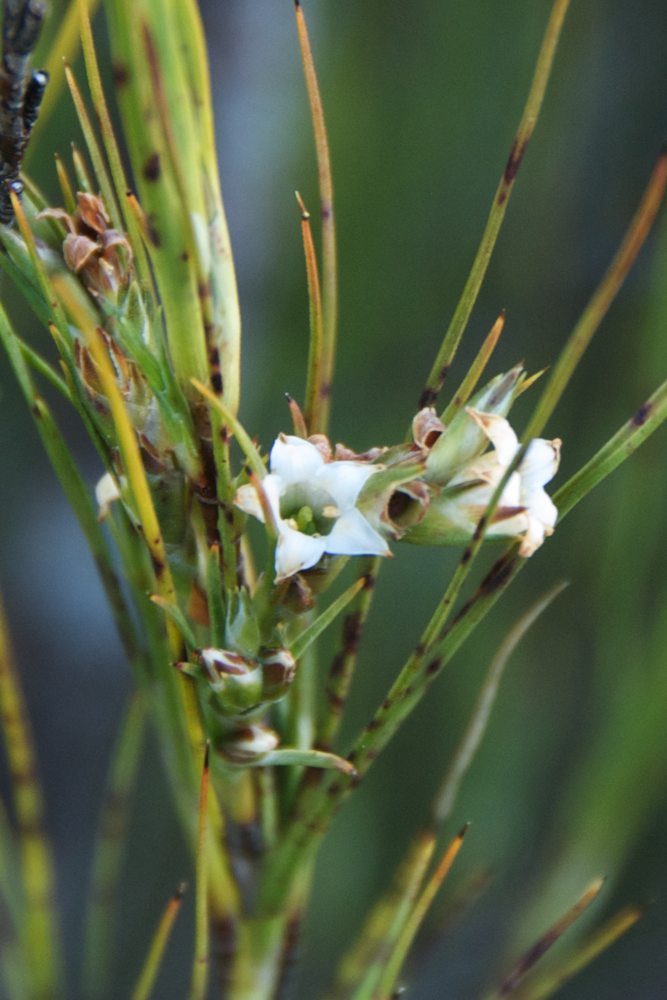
x=53 y=47
x=74 y=488
x=151 y=967
x=301 y=643
x=416 y=918
x=110 y=848
x=620 y=447
x=252 y=455
x=200 y=965
x=582 y=956
x=474 y=733
x=361 y=968
x=307 y=758
x=39 y=932
x=321 y=391
x=501 y=198
x=475 y=372
x=343 y=664
x=547 y=940
x=316 y=342
x=602 y=298
x=175 y=615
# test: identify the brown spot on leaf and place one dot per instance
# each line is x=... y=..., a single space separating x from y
x=152 y=168
x=158 y=566
x=120 y=74
x=514 y=161
x=434 y=666
x=642 y=415
x=499 y=573
x=336 y=701
x=152 y=233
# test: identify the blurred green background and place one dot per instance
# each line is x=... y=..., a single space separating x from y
x=422 y=100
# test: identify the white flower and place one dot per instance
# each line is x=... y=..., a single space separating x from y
x=524 y=509
x=107 y=491
x=313 y=504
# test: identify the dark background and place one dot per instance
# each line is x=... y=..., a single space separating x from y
x=422 y=100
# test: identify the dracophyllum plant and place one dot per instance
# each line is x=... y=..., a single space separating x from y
x=231 y=558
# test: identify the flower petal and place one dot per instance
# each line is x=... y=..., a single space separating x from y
x=296 y=551
x=344 y=481
x=352 y=535
x=107 y=491
x=540 y=463
x=541 y=506
x=499 y=433
x=294 y=459
x=247 y=500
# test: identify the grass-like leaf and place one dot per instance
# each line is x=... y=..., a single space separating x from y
x=321 y=370
x=474 y=733
x=647 y=418
x=200 y=966
x=343 y=663
x=361 y=968
x=316 y=343
x=151 y=967
x=524 y=131
x=546 y=941
x=110 y=848
x=475 y=372
x=313 y=631
x=419 y=911
x=39 y=933
x=602 y=298
x=582 y=956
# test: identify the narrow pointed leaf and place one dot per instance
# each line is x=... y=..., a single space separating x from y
x=110 y=851
x=307 y=758
x=151 y=967
x=362 y=966
x=416 y=918
x=467 y=748
x=582 y=956
x=200 y=965
x=524 y=131
x=475 y=372
x=547 y=940
x=602 y=298
x=321 y=390
x=322 y=622
x=39 y=932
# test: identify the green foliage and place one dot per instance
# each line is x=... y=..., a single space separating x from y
x=223 y=621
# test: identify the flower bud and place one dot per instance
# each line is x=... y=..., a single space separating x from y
x=463 y=440
x=248 y=745
x=278 y=669
x=524 y=511
x=236 y=681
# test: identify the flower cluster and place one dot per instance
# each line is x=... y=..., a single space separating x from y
x=312 y=500
x=316 y=499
